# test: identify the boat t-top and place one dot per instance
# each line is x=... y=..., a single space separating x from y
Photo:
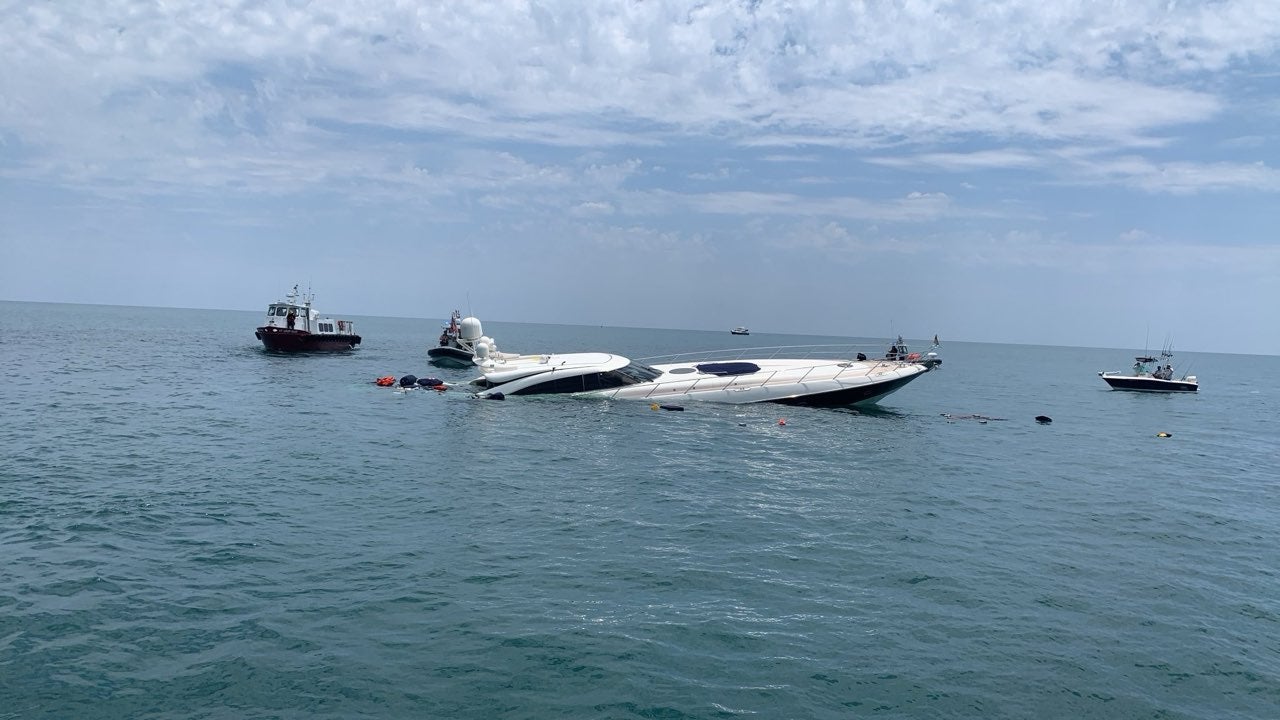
x=798 y=375
x=1150 y=374
x=293 y=325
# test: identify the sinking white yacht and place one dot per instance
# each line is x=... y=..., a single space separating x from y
x=797 y=375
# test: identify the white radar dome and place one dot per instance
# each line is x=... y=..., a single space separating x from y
x=470 y=329
x=481 y=351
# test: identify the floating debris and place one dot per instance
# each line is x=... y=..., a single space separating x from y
x=411 y=382
x=979 y=418
x=1044 y=419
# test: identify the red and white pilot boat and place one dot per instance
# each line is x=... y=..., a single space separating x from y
x=294 y=326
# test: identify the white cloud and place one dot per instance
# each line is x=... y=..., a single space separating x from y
x=915 y=207
x=786 y=158
x=1181 y=178
x=986 y=132
x=980 y=160
x=588 y=209
x=1089 y=166
x=110 y=82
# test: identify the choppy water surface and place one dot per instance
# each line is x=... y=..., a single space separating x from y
x=193 y=528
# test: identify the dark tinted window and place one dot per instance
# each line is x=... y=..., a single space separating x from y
x=571 y=384
x=629 y=375
x=639 y=373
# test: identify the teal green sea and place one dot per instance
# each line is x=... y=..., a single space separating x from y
x=194 y=528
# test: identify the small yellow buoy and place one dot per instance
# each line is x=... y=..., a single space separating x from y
x=653 y=406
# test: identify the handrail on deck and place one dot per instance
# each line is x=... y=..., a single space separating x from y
x=758 y=380
x=801 y=352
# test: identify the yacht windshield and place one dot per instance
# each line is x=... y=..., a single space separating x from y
x=631 y=374
x=637 y=373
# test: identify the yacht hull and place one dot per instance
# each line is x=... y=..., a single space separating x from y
x=743 y=390
x=848 y=397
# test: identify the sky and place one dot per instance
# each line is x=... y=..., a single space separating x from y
x=1101 y=174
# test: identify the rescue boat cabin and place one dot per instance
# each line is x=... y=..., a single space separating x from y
x=304 y=317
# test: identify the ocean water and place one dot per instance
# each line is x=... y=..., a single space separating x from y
x=193 y=528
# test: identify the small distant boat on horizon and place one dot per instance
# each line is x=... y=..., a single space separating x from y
x=1150 y=374
x=739 y=331
x=293 y=325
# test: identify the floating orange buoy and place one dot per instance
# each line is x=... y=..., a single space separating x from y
x=387 y=381
x=782 y=421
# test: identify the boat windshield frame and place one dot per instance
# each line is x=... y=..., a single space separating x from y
x=552 y=383
x=637 y=372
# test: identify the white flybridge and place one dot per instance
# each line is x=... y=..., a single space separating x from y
x=797 y=375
